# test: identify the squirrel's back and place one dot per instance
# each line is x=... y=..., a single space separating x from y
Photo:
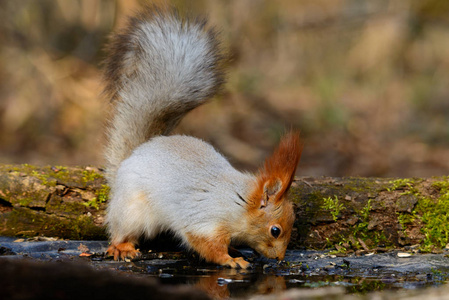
x=160 y=66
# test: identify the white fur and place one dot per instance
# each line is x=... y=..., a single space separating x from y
x=179 y=183
x=169 y=68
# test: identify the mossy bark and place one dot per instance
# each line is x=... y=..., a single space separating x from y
x=52 y=201
x=347 y=213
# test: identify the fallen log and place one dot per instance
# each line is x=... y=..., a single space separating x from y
x=58 y=201
x=347 y=214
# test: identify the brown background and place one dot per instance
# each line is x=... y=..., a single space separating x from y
x=367 y=82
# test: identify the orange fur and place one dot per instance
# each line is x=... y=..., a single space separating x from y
x=123 y=250
x=260 y=220
x=216 y=249
x=267 y=202
x=282 y=163
x=210 y=285
x=271 y=285
x=280 y=166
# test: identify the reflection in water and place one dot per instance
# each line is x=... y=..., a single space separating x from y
x=271 y=284
x=220 y=284
x=304 y=269
x=211 y=286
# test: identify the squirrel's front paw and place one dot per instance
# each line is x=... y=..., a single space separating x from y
x=237 y=262
x=122 y=251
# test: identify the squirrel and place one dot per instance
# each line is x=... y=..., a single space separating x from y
x=159 y=67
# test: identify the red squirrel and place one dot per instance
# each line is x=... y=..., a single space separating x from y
x=159 y=67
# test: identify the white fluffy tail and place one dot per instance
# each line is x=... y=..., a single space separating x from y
x=159 y=67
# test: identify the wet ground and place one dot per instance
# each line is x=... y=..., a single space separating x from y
x=392 y=270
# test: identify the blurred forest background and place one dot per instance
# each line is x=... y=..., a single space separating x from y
x=366 y=82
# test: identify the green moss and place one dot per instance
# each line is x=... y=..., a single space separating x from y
x=404 y=220
x=378 y=237
x=364 y=185
x=340 y=248
x=25 y=201
x=431 y=212
x=442 y=185
x=61 y=174
x=434 y=215
x=33 y=171
x=407 y=184
x=90 y=175
x=333 y=206
x=93 y=204
x=48 y=175
x=102 y=196
x=361 y=229
x=103 y=193
x=53 y=175
x=25 y=222
x=364 y=213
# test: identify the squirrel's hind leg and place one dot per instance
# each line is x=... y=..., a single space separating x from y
x=216 y=250
x=126 y=247
x=128 y=219
x=122 y=250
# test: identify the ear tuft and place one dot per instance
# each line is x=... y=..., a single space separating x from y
x=281 y=167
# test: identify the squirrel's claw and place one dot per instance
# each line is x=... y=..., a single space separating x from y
x=122 y=251
x=237 y=262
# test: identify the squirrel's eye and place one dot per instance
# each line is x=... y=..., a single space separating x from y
x=275 y=231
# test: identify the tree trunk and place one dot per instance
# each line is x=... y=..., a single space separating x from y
x=345 y=213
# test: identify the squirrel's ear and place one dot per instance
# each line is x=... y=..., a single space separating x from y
x=278 y=172
x=270 y=191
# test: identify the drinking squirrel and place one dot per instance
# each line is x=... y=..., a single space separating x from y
x=159 y=67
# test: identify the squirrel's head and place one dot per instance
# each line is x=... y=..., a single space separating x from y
x=270 y=215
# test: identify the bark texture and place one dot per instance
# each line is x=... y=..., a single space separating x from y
x=52 y=201
x=345 y=213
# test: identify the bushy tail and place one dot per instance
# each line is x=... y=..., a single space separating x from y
x=159 y=67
